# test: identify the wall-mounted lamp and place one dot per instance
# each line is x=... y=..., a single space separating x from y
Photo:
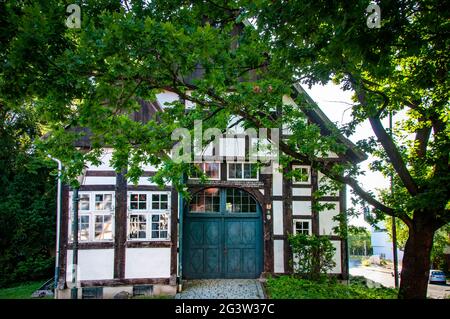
x=268 y=208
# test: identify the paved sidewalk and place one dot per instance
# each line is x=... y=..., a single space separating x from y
x=221 y=289
x=379 y=276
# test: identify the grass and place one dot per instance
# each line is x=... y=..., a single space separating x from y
x=22 y=291
x=154 y=297
x=289 y=287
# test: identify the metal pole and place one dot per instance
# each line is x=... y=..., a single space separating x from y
x=394 y=226
x=75 y=199
x=58 y=223
x=180 y=239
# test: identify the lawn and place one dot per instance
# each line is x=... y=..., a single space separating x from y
x=289 y=287
x=22 y=291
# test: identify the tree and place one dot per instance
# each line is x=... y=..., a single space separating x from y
x=440 y=242
x=95 y=77
x=359 y=242
x=27 y=201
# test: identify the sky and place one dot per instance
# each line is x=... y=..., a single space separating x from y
x=336 y=104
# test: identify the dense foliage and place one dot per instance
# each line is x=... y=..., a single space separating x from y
x=359 y=243
x=288 y=287
x=312 y=255
x=246 y=55
x=27 y=202
x=441 y=243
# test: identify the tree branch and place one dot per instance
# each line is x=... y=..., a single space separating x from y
x=387 y=142
x=327 y=170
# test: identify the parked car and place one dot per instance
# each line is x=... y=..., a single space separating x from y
x=437 y=276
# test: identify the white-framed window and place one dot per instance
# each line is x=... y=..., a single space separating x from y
x=302 y=226
x=210 y=169
x=304 y=174
x=137 y=201
x=95 y=216
x=243 y=171
x=148 y=216
x=160 y=201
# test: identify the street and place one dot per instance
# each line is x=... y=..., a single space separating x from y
x=384 y=277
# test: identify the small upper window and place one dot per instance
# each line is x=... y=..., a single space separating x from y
x=302 y=175
x=84 y=202
x=160 y=201
x=302 y=227
x=211 y=170
x=103 y=201
x=242 y=171
x=138 y=201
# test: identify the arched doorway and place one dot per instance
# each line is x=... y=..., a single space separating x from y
x=222 y=236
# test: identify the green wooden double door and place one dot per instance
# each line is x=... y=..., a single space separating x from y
x=222 y=236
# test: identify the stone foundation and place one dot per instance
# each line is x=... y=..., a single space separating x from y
x=121 y=292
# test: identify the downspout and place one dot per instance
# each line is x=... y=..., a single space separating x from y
x=58 y=223
x=180 y=239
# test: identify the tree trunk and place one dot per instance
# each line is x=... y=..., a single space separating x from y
x=416 y=261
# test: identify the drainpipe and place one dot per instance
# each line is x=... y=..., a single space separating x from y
x=180 y=239
x=58 y=223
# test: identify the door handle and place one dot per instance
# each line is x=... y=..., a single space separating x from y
x=225 y=251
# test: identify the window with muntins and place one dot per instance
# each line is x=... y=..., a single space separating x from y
x=207 y=200
x=148 y=216
x=302 y=227
x=303 y=175
x=95 y=216
x=242 y=171
x=238 y=201
x=211 y=170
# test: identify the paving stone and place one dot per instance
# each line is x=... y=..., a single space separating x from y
x=221 y=289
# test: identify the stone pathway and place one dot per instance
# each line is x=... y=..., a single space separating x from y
x=221 y=289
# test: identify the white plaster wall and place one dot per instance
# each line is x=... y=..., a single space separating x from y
x=238 y=128
x=147 y=263
x=99 y=180
x=105 y=161
x=301 y=207
x=287 y=100
x=278 y=256
x=326 y=222
x=301 y=191
x=166 y=97
x=94 y=264
x=261 y=147
x=189 y=104
x=277 y=217
x=337 y=257
x=323 y=181
x=332 y=155
x=232 y=146
x=277 y=185
x=149 y=168
x=207 y=150
x=286 y=130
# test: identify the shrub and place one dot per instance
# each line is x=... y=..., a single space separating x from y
x=312 y=255
x=288 y=287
